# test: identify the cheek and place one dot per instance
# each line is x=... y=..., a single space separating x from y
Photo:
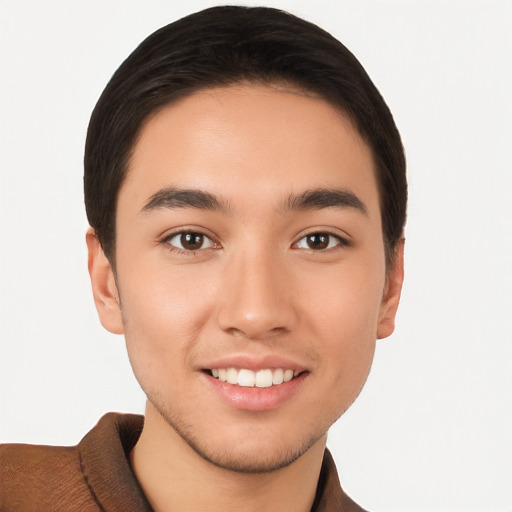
x=344 y=314
x=163 y=311
x=165 y=296
x=348 y=298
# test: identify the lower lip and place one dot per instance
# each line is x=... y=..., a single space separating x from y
x=255 y=399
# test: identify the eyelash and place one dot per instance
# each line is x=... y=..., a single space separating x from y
x=340 y=242
x=189 y=252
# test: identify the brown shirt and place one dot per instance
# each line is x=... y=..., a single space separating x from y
x=96 y=475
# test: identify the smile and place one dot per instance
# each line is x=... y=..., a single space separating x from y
x=250 y=379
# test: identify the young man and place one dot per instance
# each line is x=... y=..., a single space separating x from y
x=245 y=186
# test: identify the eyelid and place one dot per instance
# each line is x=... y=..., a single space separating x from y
x=165 y=239
x=344 y=240
x=179 y=235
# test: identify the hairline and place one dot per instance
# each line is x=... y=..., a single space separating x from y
x=277 y=84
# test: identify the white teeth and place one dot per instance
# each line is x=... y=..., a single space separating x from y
x=246 y=378
x=250 y=379
x=232 y=376
x=278 y=377
x=288 y=375
x=264 y=379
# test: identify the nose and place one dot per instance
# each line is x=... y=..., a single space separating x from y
x=257 y=300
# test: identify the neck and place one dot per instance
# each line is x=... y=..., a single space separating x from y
x=170 y=473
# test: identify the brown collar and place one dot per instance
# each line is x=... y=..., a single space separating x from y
x=104 y=453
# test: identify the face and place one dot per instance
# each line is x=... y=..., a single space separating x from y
x=250 y=271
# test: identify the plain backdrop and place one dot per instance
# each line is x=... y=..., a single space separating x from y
x=432 y=430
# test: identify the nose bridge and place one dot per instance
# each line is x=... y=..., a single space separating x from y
x=257 y=301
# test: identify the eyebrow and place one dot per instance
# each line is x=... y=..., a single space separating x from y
x=184 y=198
x=319 y=198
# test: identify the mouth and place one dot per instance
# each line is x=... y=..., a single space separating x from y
x=264 y=378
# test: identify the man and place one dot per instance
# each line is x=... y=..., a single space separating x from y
x=245 y=187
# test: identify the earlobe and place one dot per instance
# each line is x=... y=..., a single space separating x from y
x=104 y=288
x=391 y=298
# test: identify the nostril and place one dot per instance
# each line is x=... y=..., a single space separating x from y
x=253 y=332
x=252 y=315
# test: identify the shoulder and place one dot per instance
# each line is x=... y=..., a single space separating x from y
x=38 y=477
x=94 y=475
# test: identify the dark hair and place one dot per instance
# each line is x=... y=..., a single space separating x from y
x=221 y=46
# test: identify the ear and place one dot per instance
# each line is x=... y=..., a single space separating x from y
x=104 y=288
x=392 y=291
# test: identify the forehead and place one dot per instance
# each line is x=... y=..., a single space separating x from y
x=252 y=143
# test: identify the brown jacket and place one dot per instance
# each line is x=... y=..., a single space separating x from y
x=96 y=476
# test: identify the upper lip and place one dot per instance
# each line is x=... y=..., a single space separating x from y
x=255 y=363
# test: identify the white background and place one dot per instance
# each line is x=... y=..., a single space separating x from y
x=432 y=431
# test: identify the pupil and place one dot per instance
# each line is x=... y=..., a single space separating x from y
x=318 y=241
x=192 y=241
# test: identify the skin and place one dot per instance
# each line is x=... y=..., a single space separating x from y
x=256 y=290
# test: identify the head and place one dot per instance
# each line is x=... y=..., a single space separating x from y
x=223 y=46
x=245 y=184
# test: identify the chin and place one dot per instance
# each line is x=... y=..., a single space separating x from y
x=244 y=450
x=248 y=459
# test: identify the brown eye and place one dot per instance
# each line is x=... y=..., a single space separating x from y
x=190 y=241
x=318 y=241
